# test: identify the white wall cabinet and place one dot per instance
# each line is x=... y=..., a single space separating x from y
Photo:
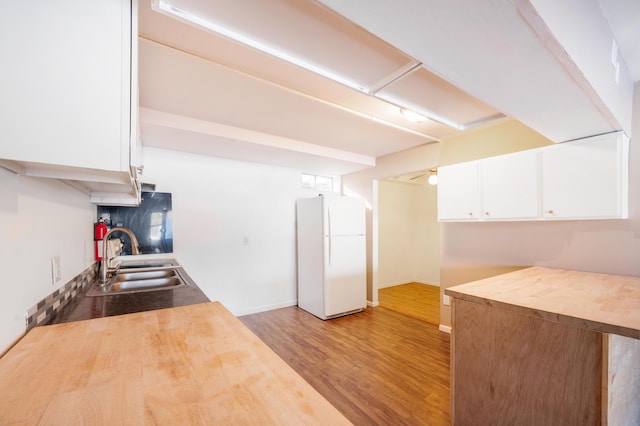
x=509 y=188
x=584 y=179
x=69 y=94
x=458 y=192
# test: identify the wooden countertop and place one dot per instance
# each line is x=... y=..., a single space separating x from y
x=194 y=364
x=599 y=302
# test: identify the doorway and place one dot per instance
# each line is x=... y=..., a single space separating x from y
x=407 y=278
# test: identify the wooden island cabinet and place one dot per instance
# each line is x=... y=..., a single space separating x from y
x=546 y=347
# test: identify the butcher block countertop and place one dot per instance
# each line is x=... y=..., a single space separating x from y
x=598 y=302
x=195 y=364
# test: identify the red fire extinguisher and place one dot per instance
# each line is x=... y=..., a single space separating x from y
x=100 y=230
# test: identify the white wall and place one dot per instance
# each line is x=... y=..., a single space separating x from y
x=39 y=219
x=217 y=203
x=427 y=243
x=408 y=242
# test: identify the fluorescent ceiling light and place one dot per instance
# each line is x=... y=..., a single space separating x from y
x=419 y=111
x=167 y=8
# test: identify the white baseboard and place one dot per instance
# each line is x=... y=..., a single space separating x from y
x=264 y=308
x=444 y=328
x=425 y=282
x=372 y=304
x=385 y=285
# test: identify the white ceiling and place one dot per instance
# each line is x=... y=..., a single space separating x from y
x=205 y=93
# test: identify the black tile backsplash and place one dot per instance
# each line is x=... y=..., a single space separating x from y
x=151 y=222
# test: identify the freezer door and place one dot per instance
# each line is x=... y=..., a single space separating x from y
x=344 y=216
x=345 y=274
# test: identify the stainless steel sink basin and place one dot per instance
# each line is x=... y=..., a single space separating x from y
x=125 y=275
x=146 y=284
x=147 y=263
x=141 y=276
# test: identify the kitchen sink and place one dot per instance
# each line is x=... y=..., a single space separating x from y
x=139 y=276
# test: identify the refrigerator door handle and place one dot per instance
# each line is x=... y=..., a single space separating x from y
x=329 y=233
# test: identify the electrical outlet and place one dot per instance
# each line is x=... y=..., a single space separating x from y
x=446 y=300
x=245 y=241
x=55 y=270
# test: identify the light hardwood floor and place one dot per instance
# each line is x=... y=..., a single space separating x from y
x=417 y=300
x=377 y=367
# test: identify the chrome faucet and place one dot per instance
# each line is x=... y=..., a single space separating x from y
x=105 y=268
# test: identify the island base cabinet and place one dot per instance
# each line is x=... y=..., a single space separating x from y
x=509 y=368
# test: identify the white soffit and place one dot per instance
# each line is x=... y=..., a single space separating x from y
x=488 y=50
x=624 y=19
x=585 y=45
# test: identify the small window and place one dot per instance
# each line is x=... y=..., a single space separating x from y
x=308 y=181
x=320 y=183
x=156 y=223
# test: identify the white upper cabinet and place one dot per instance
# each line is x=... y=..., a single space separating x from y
x=458 y=192
x=584 y=179
x=509 y=188
x=68 y=93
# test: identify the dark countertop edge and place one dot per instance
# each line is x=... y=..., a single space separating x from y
x=84 y=307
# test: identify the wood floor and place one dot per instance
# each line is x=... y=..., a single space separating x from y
x=378 y=367
x=417 y=300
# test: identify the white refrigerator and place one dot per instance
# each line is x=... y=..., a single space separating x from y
x=331 y=246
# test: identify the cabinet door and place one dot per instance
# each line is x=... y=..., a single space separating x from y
x=584 y=180
x=65 y=83
x=458 y=193
x=509 y=188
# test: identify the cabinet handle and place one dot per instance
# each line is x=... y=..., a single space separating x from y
x=486 y=214
x=471 y=214
x=550 y=211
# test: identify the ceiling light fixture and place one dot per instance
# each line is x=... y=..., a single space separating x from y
x=414 y=117
x=419 y=111
x=433 y=177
